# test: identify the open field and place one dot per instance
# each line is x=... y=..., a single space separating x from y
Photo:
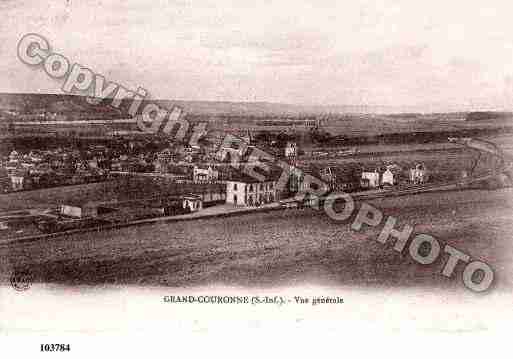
x=24 y=115
x=356 y=129
x=270 y=249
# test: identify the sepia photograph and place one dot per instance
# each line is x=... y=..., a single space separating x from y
x=293 y=169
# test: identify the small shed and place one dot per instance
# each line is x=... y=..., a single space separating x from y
x=370 y=179
x=192 y=202
x=79 y=210
x=178 y=205
x=387 y=177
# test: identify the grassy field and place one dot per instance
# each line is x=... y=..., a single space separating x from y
x=273 y=249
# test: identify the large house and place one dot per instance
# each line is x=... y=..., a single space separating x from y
x=204 y=174
x=247 y=191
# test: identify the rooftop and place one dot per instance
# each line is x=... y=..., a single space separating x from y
x=272 y=175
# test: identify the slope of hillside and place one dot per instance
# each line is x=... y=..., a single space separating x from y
x=73 y=103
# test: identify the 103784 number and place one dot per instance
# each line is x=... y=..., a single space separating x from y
x=55 y=347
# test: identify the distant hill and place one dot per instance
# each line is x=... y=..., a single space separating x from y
x=265 y=108
x=61 y=104
x=71 y=116
x=49 y=102
x=488 y=115
x=73 y=103
x=73 y=107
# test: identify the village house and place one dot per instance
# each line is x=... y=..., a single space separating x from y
x=296 y=180
x=231 y=154
x=192 y=203
x=418 y=174
x=166 y=155
x=247 y=191
x=370 y=179
x=387 y=178
x=291 y=150
x=345 y=178
x=236 y=149
x=178 y=205
x=13 y=156
x=202 y=174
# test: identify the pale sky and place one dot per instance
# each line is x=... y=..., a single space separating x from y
x=435 y=55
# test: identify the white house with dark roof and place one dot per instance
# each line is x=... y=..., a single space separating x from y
x=247 y=191
x=202 y=174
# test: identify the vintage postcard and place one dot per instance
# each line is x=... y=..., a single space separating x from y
x=297 y=169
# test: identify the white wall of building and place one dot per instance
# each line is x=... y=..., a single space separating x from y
x=250 y=194
x=388 y=178
x=72 y=211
